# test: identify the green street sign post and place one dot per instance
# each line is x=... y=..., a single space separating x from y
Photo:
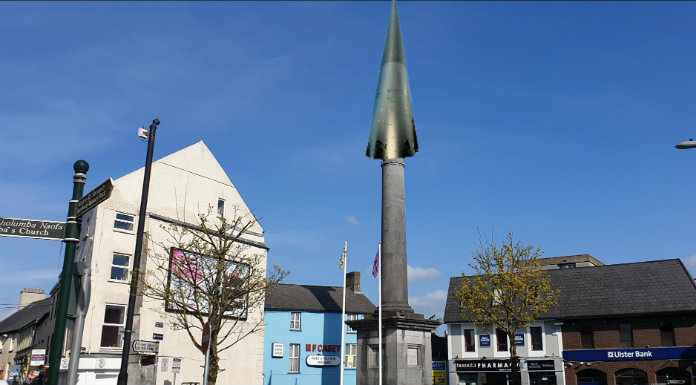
x=72 y=234
x=30 y=228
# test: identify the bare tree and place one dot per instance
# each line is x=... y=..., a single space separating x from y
x=508 y=290
x=208 y=273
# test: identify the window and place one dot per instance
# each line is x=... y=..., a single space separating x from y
x=537 y=338
x=502 y=340
x=114 y=316
x=124 y=222
x=294 y=358
x=469 y=342
x=351 y=350
x=221 y=207
x=626 y=335
x=570 y=265
x=497 y=297
x=295 y=321
x=587 y=338
x=351 y=317
x=119 y=267
x=667 y=334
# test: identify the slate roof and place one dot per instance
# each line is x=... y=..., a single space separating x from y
x=21 y=318
x=654 y=287
x=316 y=298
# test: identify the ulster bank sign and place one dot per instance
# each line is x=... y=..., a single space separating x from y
x=629 y=354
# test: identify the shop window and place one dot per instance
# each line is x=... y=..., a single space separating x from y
x=673 y=376
x=114 y=316
x=502 y=340
x=469 y=342
x=124 y=222
x=626 y=335
x=295 y=321
x=351 y=352
x=120 y=264
x=221 y=207
x=351 y=317
x=592 y=376
x=631 y=376
x=587 y=338
x=294 y=358
x=537 y=338
x=667 y=334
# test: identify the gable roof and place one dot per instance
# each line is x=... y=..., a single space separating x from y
x=30 y=313
x=316 y=298
x=628 y=289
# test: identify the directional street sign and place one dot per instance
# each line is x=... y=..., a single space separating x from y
x=95 y=197
x=145 y=346
x=30 y=228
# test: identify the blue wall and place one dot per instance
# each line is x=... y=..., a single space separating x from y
x=317 y=329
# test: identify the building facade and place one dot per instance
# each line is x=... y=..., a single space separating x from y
x=183 y=185
x=303 y=333
x=625 y=324
x=628 y=324
x=481 y=356
x=24 y=332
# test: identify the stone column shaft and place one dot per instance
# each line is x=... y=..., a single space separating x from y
x=394 y=261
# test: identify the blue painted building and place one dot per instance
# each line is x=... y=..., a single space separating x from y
x=303 y=333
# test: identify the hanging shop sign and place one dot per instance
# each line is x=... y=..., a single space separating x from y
x=484 y=340
x=483 y=365
x=38 y=357
x=317 y=360
x=30 y=228
x=630 y=354
x=519 y=339
x=540 y=365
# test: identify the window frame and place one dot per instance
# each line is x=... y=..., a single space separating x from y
x=118 y=325
x=351 y=363
x=626 y=335
x=297 y=321
x=294 y=359
x=127 y=267
x=664 y=328
x=498 y=333
x=587 y=338
x=537 y=346
x=131 y=228
x=472 y=344
x=351 y=317
x=221 y=207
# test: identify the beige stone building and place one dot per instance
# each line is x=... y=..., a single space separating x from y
x=183 y=184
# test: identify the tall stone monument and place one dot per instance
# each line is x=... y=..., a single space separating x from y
x=405 y=341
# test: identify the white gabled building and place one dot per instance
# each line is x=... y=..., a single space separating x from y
x=182 y=185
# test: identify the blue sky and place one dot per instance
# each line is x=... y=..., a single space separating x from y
x=553 y=120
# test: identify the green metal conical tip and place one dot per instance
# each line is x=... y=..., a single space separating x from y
x=393 y=130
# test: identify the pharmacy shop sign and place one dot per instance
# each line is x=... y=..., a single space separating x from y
x=630 y=354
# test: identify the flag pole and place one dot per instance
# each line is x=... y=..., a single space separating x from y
x=344 y=258
x=379 y=253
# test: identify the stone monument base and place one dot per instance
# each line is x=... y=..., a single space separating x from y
x=406 y=349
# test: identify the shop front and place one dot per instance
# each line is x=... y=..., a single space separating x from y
x=541 y=372
x=483 y=372
x=639 y=366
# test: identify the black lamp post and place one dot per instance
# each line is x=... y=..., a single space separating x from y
x=123 y=372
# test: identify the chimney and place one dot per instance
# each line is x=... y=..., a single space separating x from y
x=353 y=282
x=28 y=296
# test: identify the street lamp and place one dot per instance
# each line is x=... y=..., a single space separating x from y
x=687 y=144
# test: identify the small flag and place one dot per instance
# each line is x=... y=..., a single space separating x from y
x=342 y=261
x=375 y=266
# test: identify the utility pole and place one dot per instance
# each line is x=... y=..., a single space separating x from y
x=123 y=372
x=71 y=239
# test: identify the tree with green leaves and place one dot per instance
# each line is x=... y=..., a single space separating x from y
x=508 y=290
x=214 y=273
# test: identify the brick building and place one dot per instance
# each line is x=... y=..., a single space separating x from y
x=627 y=324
